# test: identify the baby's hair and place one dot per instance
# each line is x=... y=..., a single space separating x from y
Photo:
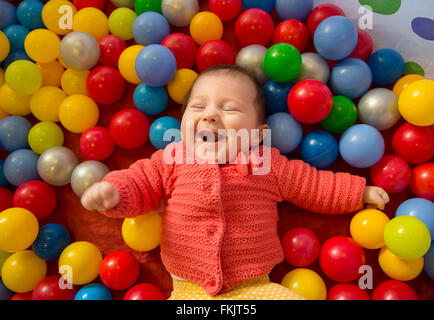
x=260 y=101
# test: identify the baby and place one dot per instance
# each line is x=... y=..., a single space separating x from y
x=219 y=232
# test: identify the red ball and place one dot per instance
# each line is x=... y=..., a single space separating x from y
x=80 y=4
x=119 y=270
x=96 y=143
x=422 y=181
x=254 y=26
x=129 y=128
x=49 y=289
x=226 y=9
x=347 y=291
x=36 y=196
x=321 y=13
x=22 y=296
x=414 y=144
x=364 y=46
x=300 y=246
x=5 y=199
x=310 y=101
x=391 y=173
x=214 y=52
x=292 y=31
x=340 y=258
x=394 y=290
x=144 y=291
x=111 y=47
x=183 y=48
x=105 y=85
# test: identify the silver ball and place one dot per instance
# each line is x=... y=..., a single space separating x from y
x=379 y=108
x=251 y=58
x=86 y=174
x=179 y=12
x=313 y=67
x=56 y=164
x=79 y=50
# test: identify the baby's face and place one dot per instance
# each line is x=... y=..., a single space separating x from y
x=219 y=102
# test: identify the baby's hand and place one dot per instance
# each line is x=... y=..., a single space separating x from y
x=100 y=196
x=375 y=197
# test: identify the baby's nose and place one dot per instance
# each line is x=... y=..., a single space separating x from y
x=209 y=117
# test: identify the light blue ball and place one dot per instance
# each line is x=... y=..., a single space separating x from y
x=294 y=9
x=16 y=35
x=164 y=131
x=428 y=258
x=93 y=291
x=150 y=100
x=286 y=132
x=266 y=5
x=319 y=149
x=387 y=66
x=14 y=131
x=420 y=208
x=150 y=27
x=8 y=14
x=276 y=95
x=21 y=166
x=51 y=240
x=29 y=14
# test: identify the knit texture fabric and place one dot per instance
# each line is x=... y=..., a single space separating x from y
x=220 y=224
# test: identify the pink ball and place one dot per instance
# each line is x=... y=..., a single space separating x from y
x=300 y=246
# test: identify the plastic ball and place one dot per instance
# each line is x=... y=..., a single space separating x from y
x=96 y=143
x=180 y=84
x=87 y=173
x=206 y=26
x=428 y=262
x=49 y=289
x=111 y=47
x=77 y=113
x=282 y=62
x=3 y=181
x=21 y=166
x=420 y=208
x=8 y=14
x=129 y=128
x=306 y=283
x=51 y=241
x=123 y=3
x=79 y=50
x=150 y=27
x=254 y=26
x=92 y=21
x=286 y=132
x=342 y=115
x=297 y=9
x=300 y=246
x=226 y=10
x=266 y=5
x=361 y=146
x=16 y=35
x=422 y=181
x=397 y=268
x=105 y=85
x=183 y=48
x=13 y=133
x=134 y=229
x=251 y=59
x=23 y=76
x=56 y=164
x=37 y=197
x=179 y=12
x=42 y=45
x=367 y=228
x=51 y=73
x=4 y=46
x=292 y=31
x=121 y=23
x=45 y=135
x=80 y=262
x=313 y=67
x=319 y=148
x=15 y=56
x=22 y=271
x=93 y=291
x=276 y=95
x=416 y=103
x=391 y=173
x=163 y=131
x=214 y=52
x=45 y=103
x=5 y=293
x=310 y=101
x=387 y=66
x=414 y=144
x=347 y=291
x=394 y=290
x=80 y=4
x=155 y=65
x=22 y=296
x=54 y=13
x=29 y=14
x=144 y=291
x=5 y=203
x=364 y=47
x=147 y=5
x=321 y=13
x=403 y=83
x=74 y=81
x=152 y=100
x=340 y=259
x=119 y=270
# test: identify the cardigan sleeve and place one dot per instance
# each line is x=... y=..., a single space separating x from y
x=317 y=190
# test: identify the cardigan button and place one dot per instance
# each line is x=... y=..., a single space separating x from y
x=207 y=187
x=211 y=231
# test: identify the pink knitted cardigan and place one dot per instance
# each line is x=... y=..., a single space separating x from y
x=220 y=223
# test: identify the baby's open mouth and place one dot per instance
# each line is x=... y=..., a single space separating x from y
x=209 y=136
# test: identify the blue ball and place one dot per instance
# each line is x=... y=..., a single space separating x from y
x=351 y=78
x=150 y=27
x=164 y=131
x=286 y=132
x=93 y=291
x=3 y=182
x=5 y=293
x=387 y=66
x=335 y=38
x=21 y=166
x=14 y=131
x=428 y=258
x=155 y=65
x=276 y=95
x=14 y=56
x=8 y=14
x=420 y=208
x=293 y=9
x=51 y=240
x=16 y=35
x=29 y=14
x=150 y=100
x=361 y=146
x=319 y=149
x=266 y=5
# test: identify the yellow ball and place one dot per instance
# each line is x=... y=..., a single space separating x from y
x=397 y=268
x=80 y=262
x=127 y=63
x=42 y=45
x=51 y=73
x=180 y=84
x=206 y=26
x=58 y=16
x=14 y=103
x=306 y=283
x=45 y=103
x=2 y=77
x=22 y=271
x=403 y=83
x=74 y=81
x=121 y=23
x=3 y=256
x=23 y=76
x=4 y=46
x=142 y=233
x=77 y=113
x=92 y=21
x=45 y=135
x=367 y=228
x=18 y=229
x=416 y=103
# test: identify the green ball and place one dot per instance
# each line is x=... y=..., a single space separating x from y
x=342 y=115
x=147 y=5
x=282 y=62
x=413 y=68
